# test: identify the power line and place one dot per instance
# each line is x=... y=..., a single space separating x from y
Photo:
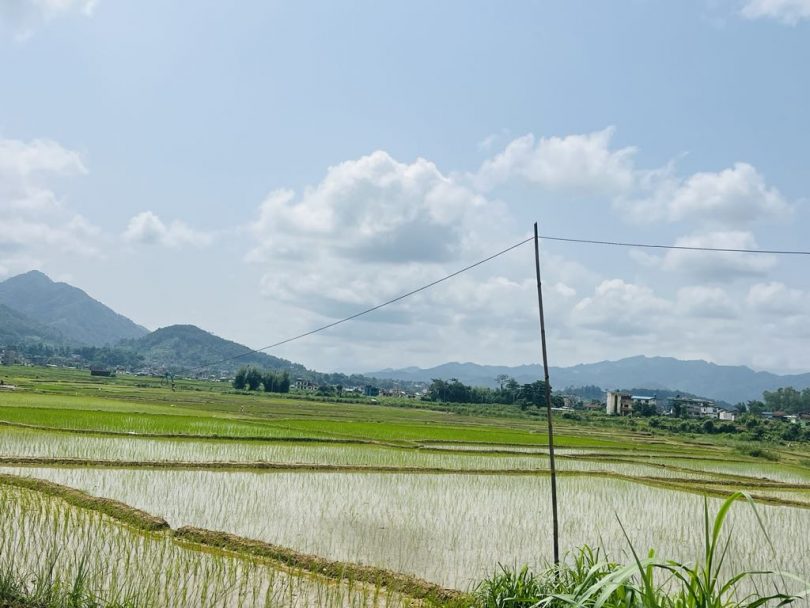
x=681 y=247
x=368 y=310
x=484 y=261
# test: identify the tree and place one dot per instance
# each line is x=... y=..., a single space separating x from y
x=644 y=408
x=501 y=379
x=787 y=399
x=792 y=433
x=239 y=381
x=253 y=378
x=512 y=389
x=274 y=382
x=284 y=383
x=270 y=382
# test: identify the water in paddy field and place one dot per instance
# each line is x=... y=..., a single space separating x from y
x=452 y=529
x=37 y=531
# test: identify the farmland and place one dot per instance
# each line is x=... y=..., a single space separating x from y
x=349 y=503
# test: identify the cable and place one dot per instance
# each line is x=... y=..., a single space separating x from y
x=368 y=310
x=485 y=260
x=681 y=247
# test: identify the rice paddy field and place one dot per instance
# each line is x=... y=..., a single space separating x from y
x=207 y=497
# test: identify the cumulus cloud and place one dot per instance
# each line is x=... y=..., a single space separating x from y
x=376 y=207
x=577 y=163
x=705 y=302
x=713 y=266
x=777 y=298
x=789 y=12
x=24 y=16
x=146 y=228
x=34 y=216
x=374 y=228
x=620 y=308
x=736 y=196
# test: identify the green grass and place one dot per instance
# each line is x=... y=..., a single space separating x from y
x=647 y=581
x=71 y=399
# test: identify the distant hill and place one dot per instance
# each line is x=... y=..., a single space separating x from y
x=16 y=328
x=66 y=310
x=723 y=382
x=185 y=347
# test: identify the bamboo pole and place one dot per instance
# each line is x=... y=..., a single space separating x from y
x=552 y=466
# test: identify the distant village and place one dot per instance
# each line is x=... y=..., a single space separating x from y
x=622 y=403
x=616 y=402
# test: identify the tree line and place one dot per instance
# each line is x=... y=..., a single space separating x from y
x=509 y=392
x=250 y=378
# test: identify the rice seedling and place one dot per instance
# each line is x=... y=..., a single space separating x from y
x=437 y=527
x=54 y=555
x=29 y=443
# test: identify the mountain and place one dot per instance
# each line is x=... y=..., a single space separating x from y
x=16 y=328
x=187 y=347
x=66 y=310
x=722 y=382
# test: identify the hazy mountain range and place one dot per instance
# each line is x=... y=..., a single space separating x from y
x=723 y=382
x=34 y=309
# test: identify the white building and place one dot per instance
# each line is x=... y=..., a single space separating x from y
x=618 y=403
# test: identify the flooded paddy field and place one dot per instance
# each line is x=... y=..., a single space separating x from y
x=43 y=535
x=435 y=499
x=437 y=527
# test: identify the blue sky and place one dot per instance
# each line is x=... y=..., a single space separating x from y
x=262 y=168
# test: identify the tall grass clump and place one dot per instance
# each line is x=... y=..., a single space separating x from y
x=586 y=581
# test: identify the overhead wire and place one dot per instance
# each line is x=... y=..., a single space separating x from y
x=369 y=310
x=484 y=261
x=678 y=247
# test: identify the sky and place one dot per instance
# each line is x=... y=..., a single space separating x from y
x=263 y=168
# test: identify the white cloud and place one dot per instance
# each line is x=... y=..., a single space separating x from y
x=737 y=197
x=25 y=16
x=732 y=196
x=713 y=266
x=777 y=298
x=40 y=156
x=789 y=12
x=376 y=209
x=620 y=308
x=486 y=144
x=146 y=228
x=706 y=302
x=374 y=228
x=34 y=216
x=576 y=163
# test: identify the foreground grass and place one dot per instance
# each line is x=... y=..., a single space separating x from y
x=587 y=580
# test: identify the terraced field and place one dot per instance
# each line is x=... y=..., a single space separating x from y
x=333 y=504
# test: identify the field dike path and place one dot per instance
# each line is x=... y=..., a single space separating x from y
x=719 y=485
x=198 y=538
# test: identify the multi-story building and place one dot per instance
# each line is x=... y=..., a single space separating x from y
x=618 y=403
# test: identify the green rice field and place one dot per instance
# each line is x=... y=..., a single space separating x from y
x=350 y=503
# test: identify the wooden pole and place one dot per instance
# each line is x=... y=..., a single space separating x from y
x=555 y=521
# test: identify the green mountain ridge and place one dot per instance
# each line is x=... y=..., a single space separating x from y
x=16 y=328
x=66 y=310
x=187 y=347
